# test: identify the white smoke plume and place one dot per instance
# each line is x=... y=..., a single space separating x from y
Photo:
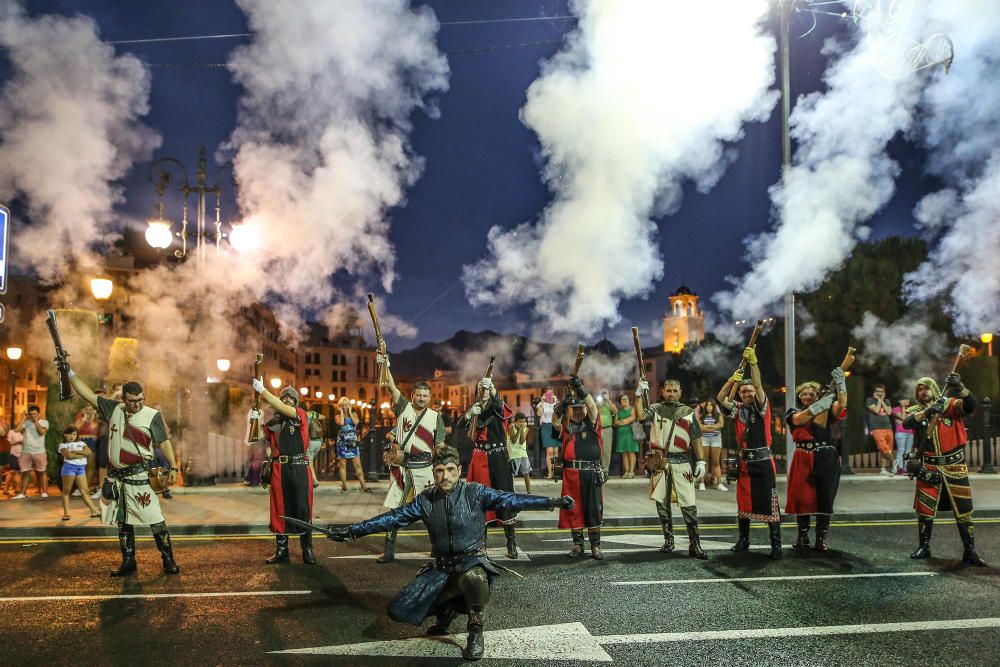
x=69 y=129
x=643 y=97
x=841 y=173
x=961 y=129
x=321 y=148
x=907 y=342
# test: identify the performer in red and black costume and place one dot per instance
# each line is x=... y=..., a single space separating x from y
x=291 y=475
x=814 y=477
x=490 y=464
x=939 y=439
x=585 y=467
x=756 y=490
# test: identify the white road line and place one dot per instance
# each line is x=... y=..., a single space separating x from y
x=730 y=580
x=777 y=633
x=131 y=596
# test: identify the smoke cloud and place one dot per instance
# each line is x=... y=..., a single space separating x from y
x=620 y=136
x=69 y=129
x=907 y=343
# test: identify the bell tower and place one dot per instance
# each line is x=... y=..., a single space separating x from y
x=683 y=323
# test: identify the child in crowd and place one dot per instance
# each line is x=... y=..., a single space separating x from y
x=517 y=449
x=74 y=471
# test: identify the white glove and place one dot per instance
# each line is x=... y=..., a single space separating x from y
x=642 y=389
x=487 y=384
x=839 y=379
x=255 y=414
x=476 y=409
x=382 y=360
x=822 y=405
x=699 y=471
x=258 y=385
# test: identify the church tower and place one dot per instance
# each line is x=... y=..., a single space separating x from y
x=684 y=323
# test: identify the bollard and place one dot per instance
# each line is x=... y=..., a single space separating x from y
x=987 y=466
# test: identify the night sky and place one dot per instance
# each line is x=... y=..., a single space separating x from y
x=482 y=165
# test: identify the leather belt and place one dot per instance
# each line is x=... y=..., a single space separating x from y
x=119 y=473
x=811 y=446
x=582 y=465
x=294 y=459
x=678 y=457
x=451 y=560
x=756 y=454
x=490 y=447
x=948 y=459
x=415 y=463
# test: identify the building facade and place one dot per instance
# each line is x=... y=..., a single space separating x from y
x=684 y=323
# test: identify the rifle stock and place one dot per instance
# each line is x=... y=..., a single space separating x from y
x=639 y=364
x=254 y=434
x=474 y=422
x=743 y=362
x=379 y=340
x=65 y=388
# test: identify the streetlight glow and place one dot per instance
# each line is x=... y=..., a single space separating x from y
x=244 y=237
x=319 y=394
x=986 y=338
x=304 y=391
x=275 y=383
x=222 y=365
x=330 y=397
x=101 y=288
x=158 y=234
x=14 y=353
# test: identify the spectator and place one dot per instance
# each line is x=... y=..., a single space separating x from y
x=347 y=445
x=4 y=456
x=101 y=449
x=74 y=470
x=609 y=412
x=449 y=422
x=33 y=456
x=547 y=438
x=316 y=429
x=12 y=475
x=625 y=442
x=87 y=424
x=517 y=449
x=904 y=436
x=712 y=421
x=880 y=427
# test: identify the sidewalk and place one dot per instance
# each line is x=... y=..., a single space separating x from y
x=235 y=509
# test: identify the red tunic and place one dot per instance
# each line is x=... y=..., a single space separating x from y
x=814 y=477
x=291 y=484
x=492 y=468
x=756 y=497
x=582 y=485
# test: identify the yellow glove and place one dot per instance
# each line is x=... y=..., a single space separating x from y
x=737 y=377
x=750 y=355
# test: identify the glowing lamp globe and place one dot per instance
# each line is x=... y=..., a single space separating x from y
x=244 y=238
x=158 y=234
x=14 y=353
x=222 y=365
x=275 y=383
x=304 y=391
x=101 y=288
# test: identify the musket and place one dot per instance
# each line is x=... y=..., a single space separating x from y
x=474 y=422
x=963 y=352
x=379 y=340
x=640 y=366
x=254 y=433
x=65 y=388
x=844 y=365
x=743 y=362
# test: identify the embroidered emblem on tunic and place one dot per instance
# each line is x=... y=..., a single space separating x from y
x=143 y=499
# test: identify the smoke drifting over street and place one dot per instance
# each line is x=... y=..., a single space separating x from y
x=643 y=98
x=69 y=129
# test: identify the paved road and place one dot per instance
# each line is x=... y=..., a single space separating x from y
x=864 y=603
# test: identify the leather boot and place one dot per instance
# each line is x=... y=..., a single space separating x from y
x=577 y=549
x=924 y=528
x=166 y=552
x=668 y=535
x=126 y=542
x=743 y=541
x=822 y=526
x=475 y=646
x=694 y=542
x=306 y=540
x=508 y=532
x=969 y=555
x=389 y=554
x=281 y=550
x=775 y=529
x=594 y=535
x=443 y=622
x=802 y=540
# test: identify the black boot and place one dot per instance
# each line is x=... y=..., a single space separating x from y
x=594 y=535
x=444 y=621
x=775 y=528
x=126 y=542
x=668 y=535
x=802 y=540
x=508 y=532
x=475 y=647
x=389 y=554
x=306 y=540
x=969 y=555
x=822 y=526
x=577 y=549
x=924 y=528
x=743 y=541
x=166 y=552
x=694 y=542
x=281 y=551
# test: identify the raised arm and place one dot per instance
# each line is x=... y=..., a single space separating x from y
x=82 y=390
x=272 y=400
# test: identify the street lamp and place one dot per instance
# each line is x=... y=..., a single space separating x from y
x=13 y=353
x=319 y=394
x=304 y=391
x=101 y=288
x=275 y=383
x=987 y=340
x=330 y=397
x=222 y=365
x=243 y=237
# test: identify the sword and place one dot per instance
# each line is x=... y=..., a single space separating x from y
x=305 y=524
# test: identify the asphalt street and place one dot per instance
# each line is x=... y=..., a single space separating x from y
x=865 y=602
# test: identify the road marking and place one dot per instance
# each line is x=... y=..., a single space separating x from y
x=656 y=540
x=499 y=556
x=130 y=596
x=731 y=580
x=573 y=642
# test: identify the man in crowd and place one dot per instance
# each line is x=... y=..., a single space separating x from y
x=674 y=433
x=517 y=449
x=418 y=430
x=33 y=455
x=880 y=427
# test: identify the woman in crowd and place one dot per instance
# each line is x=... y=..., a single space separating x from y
x=711 y=420
x=347 y=444
x=74 y=471
x=624 y=437
x=543 y=412
x=903 y=435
